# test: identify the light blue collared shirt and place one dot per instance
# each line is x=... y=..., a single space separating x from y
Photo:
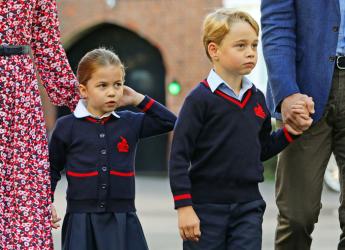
x=341 y=38
x=216 y=82
x=81 y=111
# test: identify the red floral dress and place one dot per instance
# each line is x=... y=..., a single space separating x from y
x=24 y=168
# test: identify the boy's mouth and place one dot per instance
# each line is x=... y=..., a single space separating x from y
x=249 y=64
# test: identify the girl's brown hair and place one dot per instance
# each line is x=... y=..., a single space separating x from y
x=94 y=59
x=218 y=24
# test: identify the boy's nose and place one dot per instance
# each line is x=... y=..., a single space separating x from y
x=251 y=54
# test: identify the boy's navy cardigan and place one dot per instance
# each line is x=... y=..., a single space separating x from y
x=98 y=156
x=218 y=145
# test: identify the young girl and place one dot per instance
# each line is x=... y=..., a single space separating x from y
x=222 y=135
x=96 y=146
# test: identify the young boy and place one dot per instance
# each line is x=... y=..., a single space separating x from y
x=221 y=136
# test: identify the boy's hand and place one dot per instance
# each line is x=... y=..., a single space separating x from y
x=55 y=219
x=130 y=97
x=188 y=223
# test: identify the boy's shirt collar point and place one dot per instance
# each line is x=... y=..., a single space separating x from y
x=214 y=81
x=82 y=112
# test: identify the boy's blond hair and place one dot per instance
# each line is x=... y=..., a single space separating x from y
x=218 y=24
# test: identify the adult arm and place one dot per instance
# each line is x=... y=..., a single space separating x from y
x=50 y=59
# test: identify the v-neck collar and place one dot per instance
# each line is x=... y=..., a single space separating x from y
x=220 y=93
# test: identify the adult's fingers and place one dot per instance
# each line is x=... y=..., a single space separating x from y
x=310 y=103
x=304 y=124
x=298 y=123
x=299 y=110
x=292 y=130
x=305 y=117
x=292 y=122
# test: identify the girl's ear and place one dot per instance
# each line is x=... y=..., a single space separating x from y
x=83 y=90
x=212 y=49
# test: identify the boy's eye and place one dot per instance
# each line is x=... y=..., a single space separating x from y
x=241 y=45
x=255 y=45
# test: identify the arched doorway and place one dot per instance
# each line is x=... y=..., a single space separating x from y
x=145 y=73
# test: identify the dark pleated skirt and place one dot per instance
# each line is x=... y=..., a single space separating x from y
x=102 y=231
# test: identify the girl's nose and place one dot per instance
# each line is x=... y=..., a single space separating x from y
x=111 y=93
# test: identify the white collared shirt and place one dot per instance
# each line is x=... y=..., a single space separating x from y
x=81 y=111
x=216 y=82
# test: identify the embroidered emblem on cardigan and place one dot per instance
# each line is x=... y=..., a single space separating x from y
x=122 y=146
x=259 y=111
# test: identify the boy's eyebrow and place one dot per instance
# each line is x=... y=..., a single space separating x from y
x=246 y=40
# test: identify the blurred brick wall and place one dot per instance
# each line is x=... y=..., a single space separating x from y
x=173 y=26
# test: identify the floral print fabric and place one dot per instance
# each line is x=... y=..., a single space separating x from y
x=24 y=167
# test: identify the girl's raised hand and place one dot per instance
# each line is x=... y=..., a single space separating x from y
x=55 y=219
x=130 y=97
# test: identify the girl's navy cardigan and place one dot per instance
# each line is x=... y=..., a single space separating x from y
x=99 y=155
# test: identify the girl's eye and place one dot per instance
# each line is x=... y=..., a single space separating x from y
x=241 y=45
x=118 y=84
x=102 y=85
x=255 y=45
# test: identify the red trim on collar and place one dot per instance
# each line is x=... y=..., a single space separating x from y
x=148 y=105
x=94 y=120
x=241 y=104
x=123 y=174
x=88 y=174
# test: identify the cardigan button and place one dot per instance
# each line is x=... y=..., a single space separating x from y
x=102 y=135
x=332 y=58
x=103 y=152
x=336 y=28
x=102 y=205
x=104 y=168
x=104 y=186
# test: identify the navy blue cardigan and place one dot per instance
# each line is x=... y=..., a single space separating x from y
x=218 y=147
x=98 y=156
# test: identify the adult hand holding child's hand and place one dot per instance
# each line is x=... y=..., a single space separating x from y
x=297 y=122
